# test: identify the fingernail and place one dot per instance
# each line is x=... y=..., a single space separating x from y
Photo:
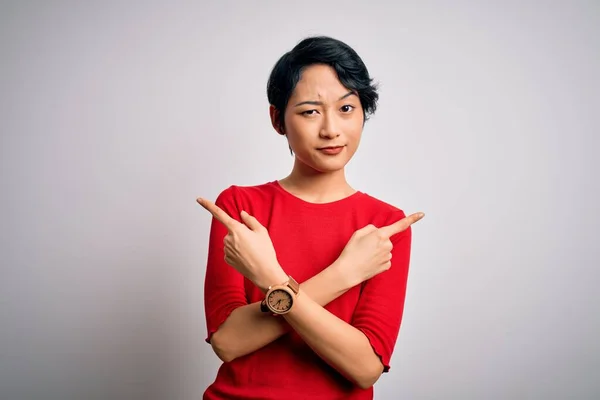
x=421 y=215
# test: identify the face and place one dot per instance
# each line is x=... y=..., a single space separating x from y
x=323 y=120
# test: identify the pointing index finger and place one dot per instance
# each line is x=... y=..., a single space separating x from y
x=217 y=212
x=399 y=226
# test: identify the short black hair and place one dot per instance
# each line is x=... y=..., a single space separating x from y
x=350 y=69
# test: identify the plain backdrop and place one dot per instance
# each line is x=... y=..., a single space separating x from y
x=115 y=116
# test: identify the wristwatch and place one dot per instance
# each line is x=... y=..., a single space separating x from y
x=280 y=298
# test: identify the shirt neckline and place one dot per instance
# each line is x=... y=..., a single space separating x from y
x=297 y=199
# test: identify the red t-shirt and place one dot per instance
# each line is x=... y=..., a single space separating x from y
x=307 y=238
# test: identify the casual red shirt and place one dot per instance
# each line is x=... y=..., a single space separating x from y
x=308 y=238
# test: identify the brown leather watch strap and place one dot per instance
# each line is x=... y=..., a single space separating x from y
x=294 y=285
x=263 y=306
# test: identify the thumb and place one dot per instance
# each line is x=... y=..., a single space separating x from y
x=250 y=221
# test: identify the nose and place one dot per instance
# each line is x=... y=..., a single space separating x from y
x=330 y=128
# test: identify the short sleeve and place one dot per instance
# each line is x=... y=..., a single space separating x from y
x=223 y=285
x=381 y=304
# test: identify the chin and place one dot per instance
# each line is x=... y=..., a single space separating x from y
x=323 y=165
x=327 y=167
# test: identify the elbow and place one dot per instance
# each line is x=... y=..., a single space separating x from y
x=369 y=376
x=221 y=349
x=366 y=382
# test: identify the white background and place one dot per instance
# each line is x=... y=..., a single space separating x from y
x=115 y=116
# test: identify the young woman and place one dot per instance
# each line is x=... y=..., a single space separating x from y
x=306 y=276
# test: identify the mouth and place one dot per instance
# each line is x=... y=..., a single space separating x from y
x=331 y=150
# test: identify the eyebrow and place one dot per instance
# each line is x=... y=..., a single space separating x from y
x=320 y=103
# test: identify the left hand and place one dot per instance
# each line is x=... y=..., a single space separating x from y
x=248 y=247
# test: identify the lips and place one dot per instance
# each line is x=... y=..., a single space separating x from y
x=331 y=150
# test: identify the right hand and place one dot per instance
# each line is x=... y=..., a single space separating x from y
x=369 y=250
x=248 y=247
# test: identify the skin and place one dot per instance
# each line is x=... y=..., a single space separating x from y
x=337 y=120
x=321 y=112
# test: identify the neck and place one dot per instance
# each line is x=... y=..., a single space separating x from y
x=315 y=186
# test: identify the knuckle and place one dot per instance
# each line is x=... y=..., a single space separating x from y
x=368 y=228
x=361 y=230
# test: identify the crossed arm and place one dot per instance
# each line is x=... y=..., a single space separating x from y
x=247 y=329
x=342 y=345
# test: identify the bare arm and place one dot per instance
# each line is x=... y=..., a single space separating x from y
x=350 y=348
x=338 y=343
x=248 y=329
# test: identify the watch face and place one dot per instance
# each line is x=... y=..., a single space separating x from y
x=279 y=300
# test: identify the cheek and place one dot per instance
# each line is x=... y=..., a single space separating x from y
x=299 y=130
x=353 y=131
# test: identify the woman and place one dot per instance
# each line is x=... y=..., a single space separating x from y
x=332 y=335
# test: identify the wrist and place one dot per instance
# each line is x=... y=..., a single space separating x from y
x=274 y=276
x=342 y=273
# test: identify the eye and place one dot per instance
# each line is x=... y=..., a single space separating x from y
x=309 y=112
x=347 y=108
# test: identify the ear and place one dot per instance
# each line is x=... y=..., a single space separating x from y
x=274 y=114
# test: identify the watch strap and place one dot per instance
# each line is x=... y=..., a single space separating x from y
x=292 y=284
x=263 y=306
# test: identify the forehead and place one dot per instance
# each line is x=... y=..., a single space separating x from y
x=319 y=82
